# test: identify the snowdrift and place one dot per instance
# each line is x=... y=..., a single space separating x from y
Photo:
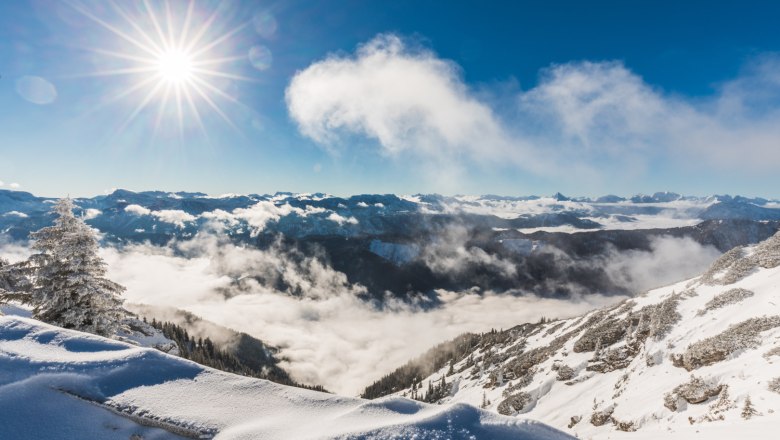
x=63 y=384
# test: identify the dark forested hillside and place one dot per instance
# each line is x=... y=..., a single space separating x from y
x=246 y=357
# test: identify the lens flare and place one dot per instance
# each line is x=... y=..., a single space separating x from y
x=260 y=57
x=177 y=55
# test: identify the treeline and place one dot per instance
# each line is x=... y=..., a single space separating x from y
x=435 y=391
x=205 y=352
x=410 y=374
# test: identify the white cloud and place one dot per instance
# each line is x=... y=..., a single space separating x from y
x=341 y=220
x=137 y=210
x=14 y=185
x=173 y=216
x=407 y=100
x=450 y=254
x=581 y=119
x=669 y=260
x=91 y=213
x=16 y=214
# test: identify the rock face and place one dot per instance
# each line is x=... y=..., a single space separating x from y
x=626 y=367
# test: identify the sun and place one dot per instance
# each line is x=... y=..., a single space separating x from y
x=175 y=66
x=178 y=58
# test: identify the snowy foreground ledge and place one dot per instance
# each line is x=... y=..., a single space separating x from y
x=63 y=384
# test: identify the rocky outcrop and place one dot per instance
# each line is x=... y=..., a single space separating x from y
x=695 y=391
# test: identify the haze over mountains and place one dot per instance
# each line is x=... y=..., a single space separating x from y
x=409 y=271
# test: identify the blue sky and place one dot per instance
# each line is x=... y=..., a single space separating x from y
x=514 y=98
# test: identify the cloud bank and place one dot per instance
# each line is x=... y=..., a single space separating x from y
x=579 y=119
x=328 y=333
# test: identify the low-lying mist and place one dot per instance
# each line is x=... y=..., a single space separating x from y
x=329 y=332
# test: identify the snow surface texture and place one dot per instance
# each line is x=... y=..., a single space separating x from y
x=63 y=384
x=676 y=362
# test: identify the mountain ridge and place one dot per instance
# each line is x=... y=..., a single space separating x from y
x=692 y=353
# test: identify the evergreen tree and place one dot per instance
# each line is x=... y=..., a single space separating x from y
x=748 y=410
x=14 y=282
x=69 y=288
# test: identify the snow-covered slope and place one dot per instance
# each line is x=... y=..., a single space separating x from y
x=62 y=384
x=682 y=359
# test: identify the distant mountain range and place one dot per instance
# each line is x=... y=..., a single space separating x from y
x=157 y=216
x=411 y=245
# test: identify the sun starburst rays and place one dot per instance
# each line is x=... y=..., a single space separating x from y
x=173 y=60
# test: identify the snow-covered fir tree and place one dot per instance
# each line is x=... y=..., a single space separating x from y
x=69 y=287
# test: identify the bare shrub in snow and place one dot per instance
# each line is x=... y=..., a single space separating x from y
x=774 y=385
x=744 y=335
x=718 y=409
x=604 y=334
x=554 y=328
x=775 y=351
x=731 y=296
x=748 y=410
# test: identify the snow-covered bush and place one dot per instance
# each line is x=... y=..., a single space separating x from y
x=565 y=372
x=599 y=418
x=774 y=351
x=695 y=391
x=731 y=296
x=744 y=335
x=735 y=265
x=774 y=385
x=611 y=359
x=722 y=263
x=513 y=403
x=662 y=316
x=625 y=426
x=604 y=334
